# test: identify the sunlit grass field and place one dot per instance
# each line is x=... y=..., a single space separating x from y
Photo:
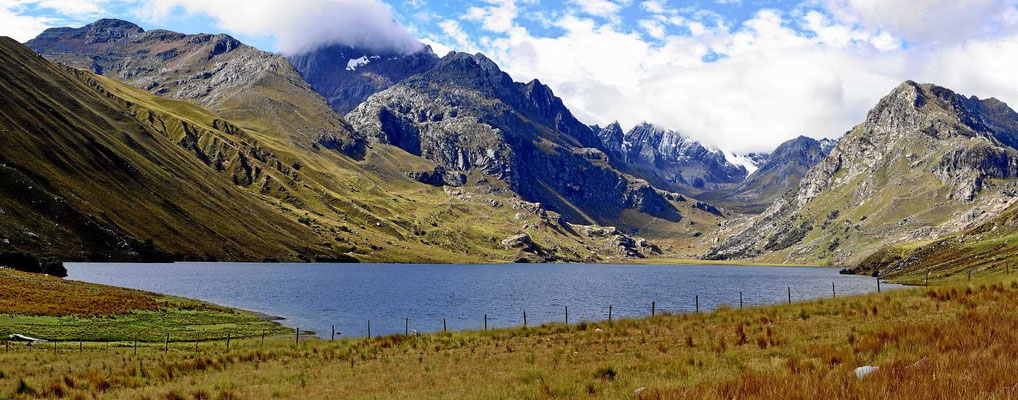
x=953 y=340
x=50 y=308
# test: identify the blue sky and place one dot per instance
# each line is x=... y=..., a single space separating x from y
x=740 y=75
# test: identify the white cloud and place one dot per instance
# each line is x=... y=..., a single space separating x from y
x=18 y=24
x=452 y=29
x=653 y=28
x=771 y=84
x=600 y=8
x=498 y=16
x=21 y=27
x=299 y=25
x=942 y=21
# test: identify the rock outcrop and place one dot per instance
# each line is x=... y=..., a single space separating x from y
x=467 y=115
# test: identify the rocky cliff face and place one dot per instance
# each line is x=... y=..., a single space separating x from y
x=346 y=76
x=213 y=71
x=668 y=160
x=926 y=162
x=468 y=115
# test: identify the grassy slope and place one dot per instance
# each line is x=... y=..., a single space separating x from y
x=948 y=341
x=54 y=309
x=84 y=148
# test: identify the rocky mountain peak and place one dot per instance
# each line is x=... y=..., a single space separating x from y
x=346 y=75
x=102 y=32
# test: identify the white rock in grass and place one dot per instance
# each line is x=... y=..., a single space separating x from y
x=861 y=372
x=639 y=390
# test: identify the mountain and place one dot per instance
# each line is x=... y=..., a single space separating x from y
x=924 y=164
x=667 y=160
x=213 y=71
x=781 y=172
x=467 y=115
x=346 y=75
x=245 y=189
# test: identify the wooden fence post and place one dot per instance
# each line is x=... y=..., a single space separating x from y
x=333 y=332
x=297 y=337
x=166 y=345
x=485 y=321
x=136 y=347
x=789 y=295
x=524 y=318
x=406 y=326
x=740 y=300
x=834 y=293
x=697 y=304
x=609 y=313
x=369 y=329
x=444 y=326
x=263 y=337
x=79 y=346
x=970 y=274
x=567 y=315
x=228 y=341
x=652 y=306
x=878 y=284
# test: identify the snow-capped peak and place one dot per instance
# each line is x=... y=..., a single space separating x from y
x=354 y=63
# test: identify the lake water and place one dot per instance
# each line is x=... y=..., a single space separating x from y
x=318 y=296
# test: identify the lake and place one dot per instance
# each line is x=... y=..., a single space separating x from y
x=318 y=296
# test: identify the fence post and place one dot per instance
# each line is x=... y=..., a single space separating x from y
x=697 y=304
x=166 y=345
x=524 y=318
x=263 y=337
x=54 y=347
x=297 y=337
x=789 y=295
x=79 y=346
x=485 y=321
x=228 y=341
x=136 y=347
x=567 y=315
x=406 y=326
x=878 y=284
x=652 y=305
x=834 y=293
x=444 y=326
x=740 y=300
x=333 y=332
x=970 y=274
x=609 y=313
x=369 y=329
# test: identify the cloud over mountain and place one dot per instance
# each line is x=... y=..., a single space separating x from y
x=300 y=25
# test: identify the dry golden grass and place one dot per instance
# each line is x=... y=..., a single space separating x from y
x=34 y=294
x=952 y=341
